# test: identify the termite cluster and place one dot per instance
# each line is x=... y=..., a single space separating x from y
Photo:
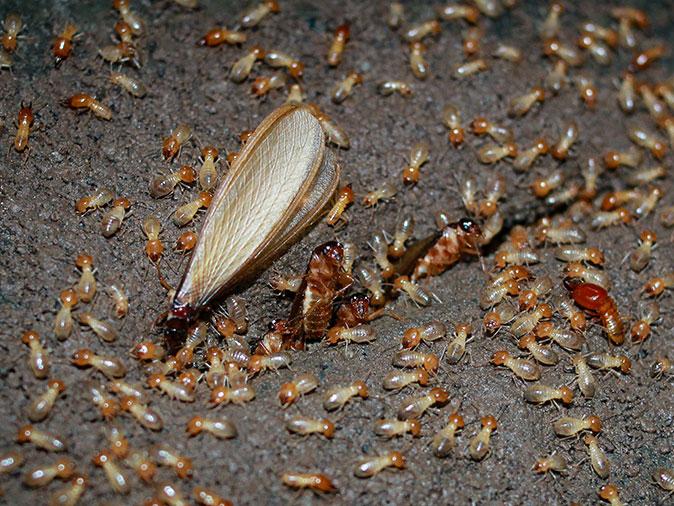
x=536 y=323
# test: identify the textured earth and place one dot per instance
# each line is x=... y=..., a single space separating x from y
x=72 y=154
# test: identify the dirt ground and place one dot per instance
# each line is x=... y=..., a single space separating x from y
x=73 y=154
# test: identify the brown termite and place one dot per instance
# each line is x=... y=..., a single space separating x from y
x=186 y=213
x=457 y=346
x=422 y=30
x=119 y=444
x=601 y=360
x=386 y=192
x=305 y=426
x=277 y=59
x=63 y=323
x=657 y=285
x=564 y=233
x=42 y=405
x=413 y=359
x=172 y=144
x=101 y=328
x=614 y=200
x=128 y=16
x=417 y=157
x=649 y=313
x=42 y=439
x=444 y=441
x=343 y=200
x=221 y=429
x=162 y=185
x=551 y=463
x=140 y=462
x=117 y=478
x=631 y=158
x=12 y=26
x=569 y=426
x=300 y=385
x=120 y=300
x=641 y=256
x=338 y=397
x=146 y=416
x=380 y=252
x=542 y=186
x=96 y=200
x=588 y=274
x=242 y=68
x=645 y=58
x=609 y=493
x=541 y=353
x=253 y=16
x=38 y=360
x=526 y=157
x=664 y=478
x=507 y=255
x=454 y=11
x=154 y=248
x=418 y=63
x=470 y=68
x=264 y=84
x=482 y=126
x=208 y=174
x=340 y=38
x=492 y=153
x=334 y=133
x=272 y=362
x=403 y=232
x=521 y=367
x=656 y=109
x=428 y=332
x=598 y=460
x=451 y=118
x=390 y=87
x=566 y=338
x=608 y=35
x=415 y=407
x=42 y=475
x=359 y=334
x=604 y=219
x=539 y=393
x=415 y=292
x=63 y=45
x=221 y=35
x=120 y=53
x=597 y=49
x=86 y=286
x=646 y=139
x=472 y=37
x=494 y=190
x=70 y=494
x=107 y=405
x=586 y=90
x=396 y=380
x=538 y=288
x=222 y=395
x=81 y=101
x=113 y=218
x=590 y=172
x=495 y=293
x=174 y=390
x=507 y=53
x=24 y=122
x=390 y=427
x=371 y=466
x=112 y=367
x=316 y=482
x=569 y=135
x=186 y=241
x=132 y=85
x=627 y=93
x=570 y=55
x=497 y=317
x=580 y=254
x=564 y=196
x=551 y=24
x=479 y=444
x=557 y=78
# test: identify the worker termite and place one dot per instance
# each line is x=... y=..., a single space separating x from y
x=657 y=285
x=497 y=317
x=264 y=84
x=417 y=157
x=542 y=186
x=493 y=294
x=107 y=405
x=646 y=57
x=96 y=200
x=359 y=334
x=140 y=462
x=395 y=15
x=208 y=175
x=648 y=140
x=387 y=88
x=525 y=158
x=649 y=313
x=609 y=493
x=608 y=35
x=42 y=439
x=315 y=482
x=253 y=16
x=492 y=153
x=271 y=362
x=221 y=35
x=580 y=254
x=428 y=332
x=344 y=199
x=539 y=393
x=380 y=252
x=656 y=109
x=444 y=441
x=451 y=118
x=479 y=444
x=631 y=158
x=83 y=101
x=567 y=339
x=575 y=270
x=341 y=37
x=86 y=286
x=470 y=68
x=12 y=26
x=640 y=257
x=415 y=292
x=186 y=213
x=526 y=322
x=603 y=219
x=396 y=380
x=371 y=466
x=305 y=426
x=338 y=397
x=664 y=478
x=666 y=92
x=422 y=30
x=586 y=90
x=146 y=416
x=63 y=323
x=186 y=241
x=129 y=17
x=113 y=218
x=63 y=45
x=116 y=476
x=173 y=390
x=550 y=26
x=586 y=381
x=162 y=185
x=24 y=123
x=613 y=200
x=154 y=248
x=386 y=192
x=569 y=135
x=570 y=55
x=390 y=427
x=119 y=299
x=607 y=361
x=522 y=368
x=415 y=407
x=414 y=359
x=564 y=233
x=43 y=475
x=39 y=362
x=42 y=405
x=553 y=462
x=277 y=59
x=507 y=255
x=627 y=95
x=598 y=460
x=403 y=232
x=457 y=346
x=543 y=354
x=557 y=78
x=119 y=444
x=111 y=367
x=101 y=328
x=166 y=456
x=418 y=63
x=569 y=426
x=242 y=67
x=599 y=51
x=134 y=86
x=172 y=144
x=293 y=390
x=222 y=429
x=508 y=53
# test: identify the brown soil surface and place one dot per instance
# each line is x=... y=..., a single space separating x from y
x=73 y=154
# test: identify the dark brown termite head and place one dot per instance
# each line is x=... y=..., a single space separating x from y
x=332 y=251
x=471 y=232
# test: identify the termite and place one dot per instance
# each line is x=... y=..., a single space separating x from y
x=415 y=292
x=526 y=157
x=43 y=475
x=271 y=362
x=186 y=213
x=222 y=395
x=444 y=441
x=645 y=58
x=390 y=427
x=277 y=59
x=24 y=123
x=129 y=17
x=71 y=493
x=42 y=405
x=497 y=317
x=521 y=105
x=492 y=153
x=569 y=135
x=119 y=444
x=221 y=429
x=63 y=45
x=83 y=101
x=607 y=361
x=586 y=381
x=172 y=144
x=341 y=37
x=542 y=186
x=664 y=477
x=338 y=397
x=12 y=26
x=243 y=66
x=603 y=219
x=587 y=274
x=162 y=185
x=470 y=68
x=586 y=90
x=344 y=199
x=154 y=248
x=385 y=192
x=380 y=252
x=539 y=393
x=166 y=456
x=608 y=35
x=649 y=313
x=414 y=359
x=428 y=332
x=120 y=53
x=609 y=493
x=140 y=462
x=451 y=118
x=580 y=254
x=657 y=285
x=494 y=190
x=38 y=360
x=10 y=461
x=543 y=354
x=63 y=323
x=120 y=300
x=631 y=158
x=116 y=476
x=455 y=11
x=106 y=404
x=595 y=299
x=667 y=216
x=521 y=367
x=134 y=86
x=253 y=16
x=208 y=175
x=359 y=334
x=666 y=92
x=300 y=385
x=494 y=293
x=305 y=426
x=570 y=55
x=565 y=233
x=371 y=466
x=479 y=445
x=662 y=366
x=556 y=78
x=482 y=126
x=263 y=84
x=415 y=407
x=387 y=88
x=112 y=367
x=146 y=416
x=599 y=51
x=417 y=157
x=113 y=218
x=315 y=482
x=171 y=389
x=627 y=95
x=396 y=380
x=640 y=257
x=507 y=255
x=598 y=460
x=550 y=26
x=96 y=200
x=472 y=37
x=221 y=35
x=569 y=426
x=335 y=134
x=186 y=241
x=422 y=30
x=6 y=61
x=648 y=140
x=613 y=200
x=656 y=109
x=418 y=63
x=457 y=347
x=395 y=15
x=567 y=339
x=553 y=462
x=42 y=439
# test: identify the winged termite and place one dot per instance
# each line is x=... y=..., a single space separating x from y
x=277 y=187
